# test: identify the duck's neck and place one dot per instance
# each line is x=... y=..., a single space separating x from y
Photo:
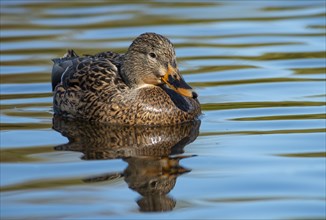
x=130 y=70
x=126 y=79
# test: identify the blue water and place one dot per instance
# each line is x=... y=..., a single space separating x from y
x=258 y=152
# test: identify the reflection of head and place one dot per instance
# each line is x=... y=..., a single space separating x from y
x=156 y=203
x=147 y=186
x=153 y=175
x=153 y=178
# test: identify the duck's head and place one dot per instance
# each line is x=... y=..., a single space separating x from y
x=151 y=60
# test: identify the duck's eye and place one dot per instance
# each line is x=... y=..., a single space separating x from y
x=153 y=55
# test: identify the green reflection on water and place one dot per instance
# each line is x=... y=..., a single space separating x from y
x=253 y=81
x=25 y=96
x=207 y=69
x=314 y=154
x=25 y=78
x=43 y=184
x=283 y=117
x=24 y=126
x=320 y=70
x=239 y=105
x=266 y=56
x=26 y=105
x=288 y=131
x=23 y=154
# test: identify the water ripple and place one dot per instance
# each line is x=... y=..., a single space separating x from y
x=259 y=69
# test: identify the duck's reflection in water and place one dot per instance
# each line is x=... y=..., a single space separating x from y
x=152 y=154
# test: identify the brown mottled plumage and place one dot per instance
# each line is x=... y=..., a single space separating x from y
x=125 y=89
x=106 y=141
x=151 y=152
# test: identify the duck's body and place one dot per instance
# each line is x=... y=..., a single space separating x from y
x=109 y=87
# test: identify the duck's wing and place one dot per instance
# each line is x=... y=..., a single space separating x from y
x=86 y=71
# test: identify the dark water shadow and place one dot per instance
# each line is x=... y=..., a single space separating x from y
x=152 y=155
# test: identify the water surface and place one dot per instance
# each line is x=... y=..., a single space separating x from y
x=258 y=152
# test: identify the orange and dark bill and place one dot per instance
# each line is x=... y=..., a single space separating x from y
x=174 y=80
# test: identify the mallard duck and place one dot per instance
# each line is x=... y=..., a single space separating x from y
x=141 y=87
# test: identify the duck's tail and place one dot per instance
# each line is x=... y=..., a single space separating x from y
x=60 y=65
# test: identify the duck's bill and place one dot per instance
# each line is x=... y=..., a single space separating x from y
x=175 y=171
x=174 y=80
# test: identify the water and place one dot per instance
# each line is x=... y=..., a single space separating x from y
x=258 y=152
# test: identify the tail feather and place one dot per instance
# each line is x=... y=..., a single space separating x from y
x=60 y=65
x=70 y=53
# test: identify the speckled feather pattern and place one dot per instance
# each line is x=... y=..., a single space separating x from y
x=146 y=149
x=107 y=141
x=92 y=88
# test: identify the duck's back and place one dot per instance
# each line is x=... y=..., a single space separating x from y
x=82 y=84
x=71 y=66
